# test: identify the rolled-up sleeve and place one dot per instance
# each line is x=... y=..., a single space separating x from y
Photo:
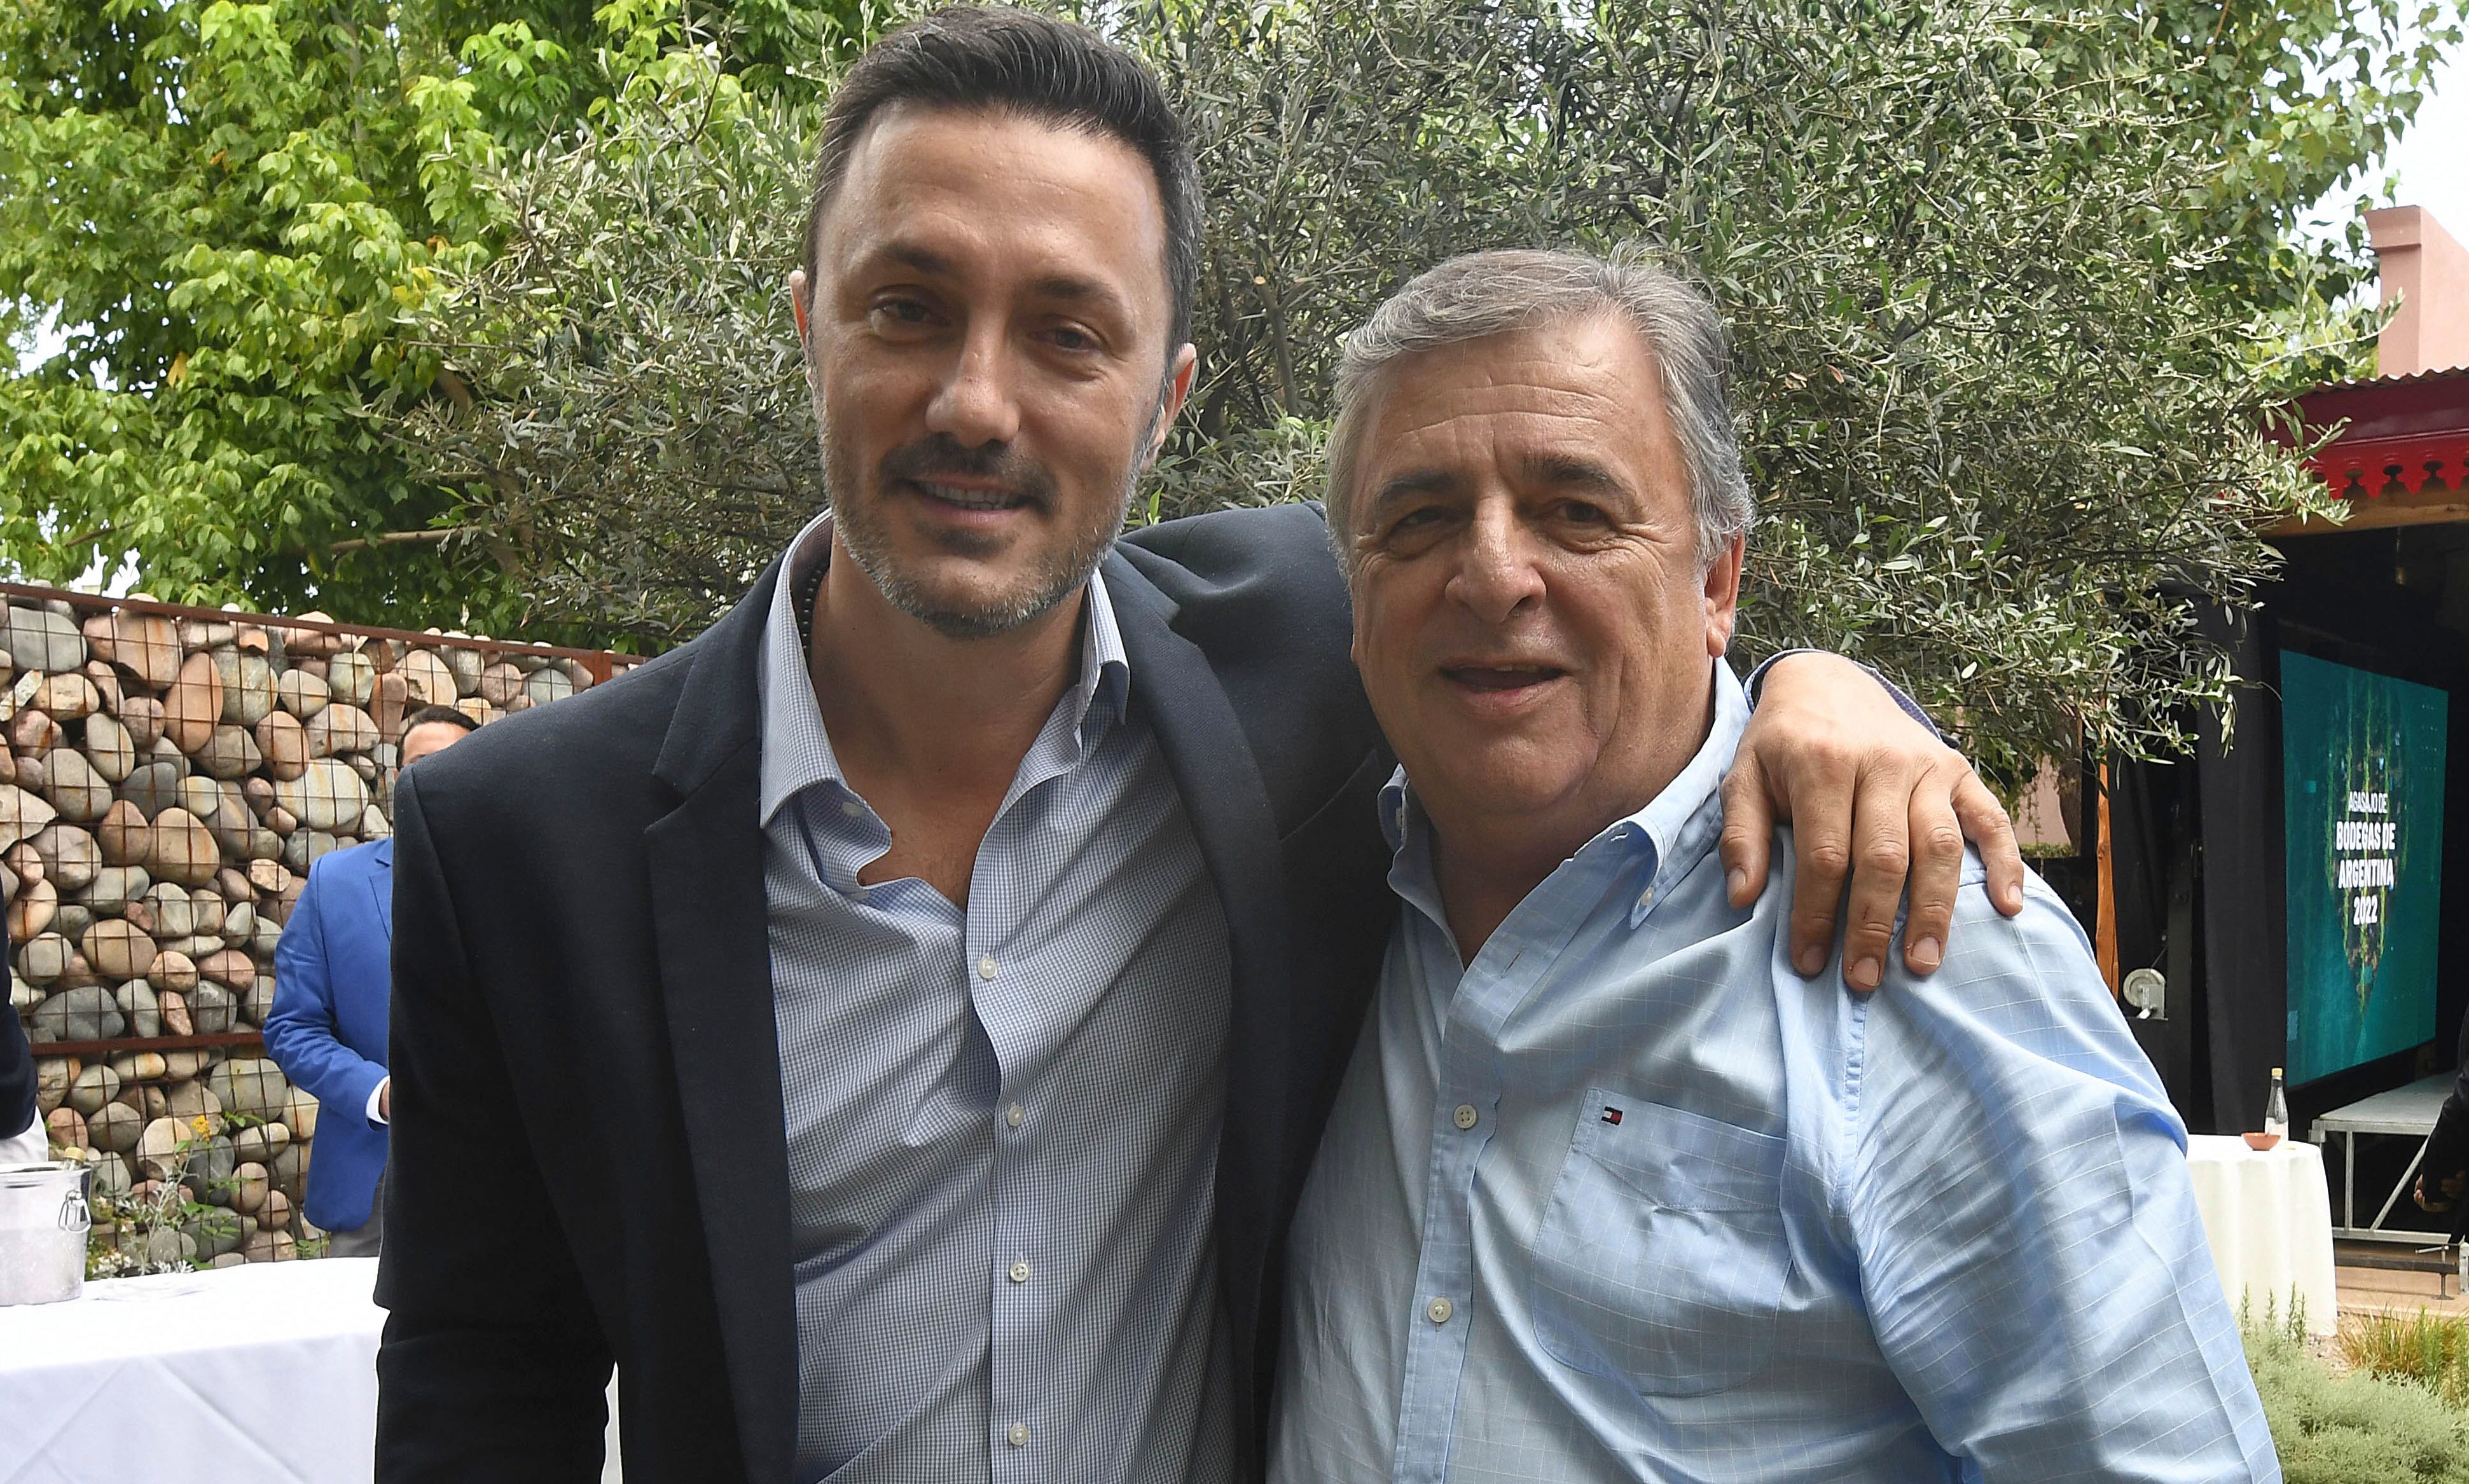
x=2015 y=1187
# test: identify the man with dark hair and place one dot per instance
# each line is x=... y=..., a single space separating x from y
x=23 y=1138
x=327 y=1027
x=894 y=1026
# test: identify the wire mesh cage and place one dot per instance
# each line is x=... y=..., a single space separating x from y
x=169 y=776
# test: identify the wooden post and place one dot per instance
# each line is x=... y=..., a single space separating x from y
x=2104 y=938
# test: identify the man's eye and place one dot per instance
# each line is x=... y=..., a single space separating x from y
x=1069 y=340
x=1582 y=513
x=904 y=312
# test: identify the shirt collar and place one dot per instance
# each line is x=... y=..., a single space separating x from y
x=1675 y=828
x=798 y=749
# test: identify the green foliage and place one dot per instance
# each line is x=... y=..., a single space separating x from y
x=232 y=210
x=2012 y=286
x=2422 y=1347
x=2341 y=1429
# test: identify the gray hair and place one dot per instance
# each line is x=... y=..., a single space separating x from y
x=1489 y=293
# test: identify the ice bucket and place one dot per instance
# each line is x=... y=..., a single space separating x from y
x=43 y=1221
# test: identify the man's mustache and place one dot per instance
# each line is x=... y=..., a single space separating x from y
x=942 y=456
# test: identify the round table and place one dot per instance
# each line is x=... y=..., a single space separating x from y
x=2269 y=1217
x=264 y=1372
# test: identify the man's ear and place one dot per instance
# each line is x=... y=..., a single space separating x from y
x=1178 y=390
x=1722 y=594
x=797 y=304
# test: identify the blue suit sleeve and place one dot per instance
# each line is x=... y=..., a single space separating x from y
x=300 y=1030
x=2026 y=1229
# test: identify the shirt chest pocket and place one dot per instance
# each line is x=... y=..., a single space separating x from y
x=1661 y=1259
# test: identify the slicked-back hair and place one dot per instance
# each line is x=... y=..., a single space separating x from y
x=994 y=59
x=1489 y=293
x=445 y=715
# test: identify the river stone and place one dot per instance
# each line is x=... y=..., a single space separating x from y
x=107 y=686
x=114 y=887
x=195 y=703
x=208 y=911
x=69 y=855
x=119 y=950
x=138 y=1001
x=299 y=695
x=207 y=633
x=311 y=643
x=187 y=1061
x=115 y=1126
x=32 y=733
x=75 y=788
x=184 y=850
x=284 y=744
x=466 y=665
x=249 y=1183
x=28 y=774
x=426 y=680
x=33 y=910
x=230 y=968
x=99 y=647
x=39 y=639
x=268 y=876
x=229 y=754
x=21 y=814
x=211 y=1008
x=172 y=909
x=44 y=958
x=143 y=715
x=139 y=1071
x=123 y=836
x=109 y=749
x=248 y=686
x=67 y=1128
x=305 y=848
x=211 y=1164
x=389 y=701
x=374 y=824
x=95 y=1087
x=340 y=729
x=351 y=678
x=72 y=920
x=250 y=1086
x=52 y=1078
x=190 y=1101
x=146 y=647
x=364 y=764
x=325 y=794
x=153 y=786
x=174 y=1007
x=68 y=697
x=23 y=861
x=262 y=1142
x=500 y=683
x=239 y=922
x=85 y=1013
x=174 y=971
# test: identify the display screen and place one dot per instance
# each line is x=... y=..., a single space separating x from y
x=2361 y=775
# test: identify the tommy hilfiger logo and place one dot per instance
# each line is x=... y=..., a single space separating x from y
x=1611 y=1115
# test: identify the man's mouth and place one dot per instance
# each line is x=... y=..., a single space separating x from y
x=1500 y=677
x=967 y=497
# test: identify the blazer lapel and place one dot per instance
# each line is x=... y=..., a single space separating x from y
x=708 y=917
x=1206 y=751
x=381 y=884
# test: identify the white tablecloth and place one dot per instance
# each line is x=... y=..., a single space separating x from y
x=2269 y=1216
x=266 y=1373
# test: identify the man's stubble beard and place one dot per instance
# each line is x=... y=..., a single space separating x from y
x=1053 y=577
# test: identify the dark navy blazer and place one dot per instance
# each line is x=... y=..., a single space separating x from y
x=589 y=1155
x=328 y=1028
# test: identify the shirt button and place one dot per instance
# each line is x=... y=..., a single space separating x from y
x=1015 y=1115
x=1019 y=1434
x=1466 y=1117
x=852 y=809
x=986 y=967
x=1019 y=1272
x=1646 y=897
x=1440 y=1310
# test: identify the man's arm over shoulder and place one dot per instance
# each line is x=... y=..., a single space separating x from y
x=493 y=1365
x=2030 y=1250
x=300 y=1027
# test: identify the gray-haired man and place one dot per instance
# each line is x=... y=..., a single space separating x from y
x=1610 y=1192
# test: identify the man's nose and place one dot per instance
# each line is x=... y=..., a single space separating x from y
x=1497 y=572
x=978 y=403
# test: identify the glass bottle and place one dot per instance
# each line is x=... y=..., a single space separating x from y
x=2275 y=1110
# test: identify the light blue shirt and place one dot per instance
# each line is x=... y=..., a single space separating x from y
x=1627 y=1198
x=1002 y=1120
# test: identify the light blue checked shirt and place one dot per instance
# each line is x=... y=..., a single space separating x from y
x=1627 y=1198
x=1002 y=1122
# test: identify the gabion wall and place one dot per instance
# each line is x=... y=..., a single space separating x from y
x=170 y=775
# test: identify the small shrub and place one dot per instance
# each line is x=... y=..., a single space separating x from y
x=2426 y=1348
x=2350 y=1430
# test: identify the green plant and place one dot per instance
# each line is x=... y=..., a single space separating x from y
x=2353 y=1428
x=2430 y=1349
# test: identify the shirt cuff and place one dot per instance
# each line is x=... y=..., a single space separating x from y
x=378 y=1120
x=1911 y=707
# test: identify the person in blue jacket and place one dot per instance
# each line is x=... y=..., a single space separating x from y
x=327 y=1027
